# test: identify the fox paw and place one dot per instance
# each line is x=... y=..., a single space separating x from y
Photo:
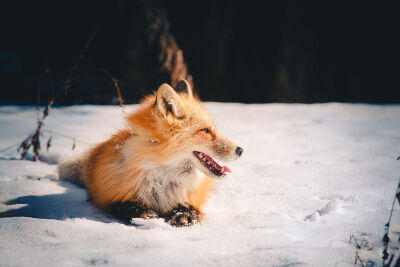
x=149 y=214
x=183 y=216
x=129 y=209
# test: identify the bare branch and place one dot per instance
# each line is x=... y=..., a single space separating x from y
x=115 y=81
x=34 y=139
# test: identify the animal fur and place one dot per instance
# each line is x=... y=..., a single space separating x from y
x=150 y=166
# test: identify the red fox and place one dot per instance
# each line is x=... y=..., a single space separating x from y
x=161 y=164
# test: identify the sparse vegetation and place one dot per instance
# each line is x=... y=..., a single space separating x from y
x=171 y=62
x=387 y=256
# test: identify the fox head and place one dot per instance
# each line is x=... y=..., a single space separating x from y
x=175 y=127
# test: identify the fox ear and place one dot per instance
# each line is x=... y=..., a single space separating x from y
x=184 y=87
x=168 y=102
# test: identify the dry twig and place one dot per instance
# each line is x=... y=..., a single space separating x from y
x=33 y=140
x=355 y=240
x=115 y=81
x=357 y=258
x=386 y=238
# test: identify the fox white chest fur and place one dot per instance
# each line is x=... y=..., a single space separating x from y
x=163 y=187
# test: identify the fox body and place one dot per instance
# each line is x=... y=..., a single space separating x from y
x=162 y=164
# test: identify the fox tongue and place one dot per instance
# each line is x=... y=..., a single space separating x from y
x=222 y=169
x=226 y=169
x=211 y=164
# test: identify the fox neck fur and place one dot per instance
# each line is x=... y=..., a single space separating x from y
x=164 y=186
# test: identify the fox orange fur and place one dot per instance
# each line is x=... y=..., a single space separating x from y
x=161 y=164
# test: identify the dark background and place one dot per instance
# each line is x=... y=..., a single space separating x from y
x=236 y=51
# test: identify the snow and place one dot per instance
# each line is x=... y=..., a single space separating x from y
x=310 y=176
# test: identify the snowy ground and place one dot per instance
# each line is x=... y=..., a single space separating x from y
x=310 y=176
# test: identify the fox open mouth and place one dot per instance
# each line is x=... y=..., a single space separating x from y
x=210 y=164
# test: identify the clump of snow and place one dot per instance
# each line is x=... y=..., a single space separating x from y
x=310 y=176
x=330 y=207
x=117 y=146
x=149 y=224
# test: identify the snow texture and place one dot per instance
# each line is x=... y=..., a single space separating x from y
x=310 y=176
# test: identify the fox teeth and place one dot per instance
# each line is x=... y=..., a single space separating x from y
x=210 y=164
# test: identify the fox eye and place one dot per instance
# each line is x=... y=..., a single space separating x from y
x=206 y=130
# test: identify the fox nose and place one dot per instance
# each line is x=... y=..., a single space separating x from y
x=239 y=151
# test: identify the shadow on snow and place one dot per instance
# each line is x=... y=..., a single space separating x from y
x=70 y=204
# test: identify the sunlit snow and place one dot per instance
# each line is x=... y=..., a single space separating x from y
x=310 y=176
